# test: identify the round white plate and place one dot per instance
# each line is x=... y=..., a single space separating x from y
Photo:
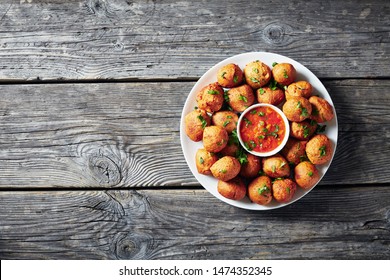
x=189 y=147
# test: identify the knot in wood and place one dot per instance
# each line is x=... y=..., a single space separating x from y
x=126 y=249
x=133 y=246
x=274 y=34
x=97 y=7
x=104 y=170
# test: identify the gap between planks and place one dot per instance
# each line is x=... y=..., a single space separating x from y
x=159 y=188
x=149 y=80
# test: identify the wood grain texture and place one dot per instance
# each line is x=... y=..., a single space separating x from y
x=91 y=135
x=119 y=39
x=127 y=134
x=349 y=223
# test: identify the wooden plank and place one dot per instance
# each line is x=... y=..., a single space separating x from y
x=96 y=135
x=118 y=39
x=364 y=139
x=127 y=134
x=333 y=223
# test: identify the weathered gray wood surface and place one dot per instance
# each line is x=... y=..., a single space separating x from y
x=127 y=134
x=119 y=39
x=94 y=169
x=335 y=223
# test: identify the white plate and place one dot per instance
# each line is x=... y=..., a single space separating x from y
x=189 y=147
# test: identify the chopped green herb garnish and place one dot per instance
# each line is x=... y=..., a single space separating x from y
x=303 y=158
x=203 y=121
x=273 y=85
x=213 y=92
x=201 y=160
x=196 y=108
x=223 y=75
x=315 y=112
x=229 y=117
x=283 y=164
x=261 y=173
x=223 y=171
x=247 y=146
x=274 y=63
x=306 y=131
x=243 y=98
x=235 y=79
x=265 y=129
x=288 y=190
x=241 y=156
x=253 y=112
x=322 y=151
x=274 y=134
x=247 y=122
x=233 y=138
x=310 y=173
x=285 y=74
x=225 y=123
x=261 y=114
x=253 y=79
x=320 y=128
x=261 y=91
x=273 y=168
x=255 y=70
x=221 y=142
x=263 y=189
x=250 y=145
x=304 y=113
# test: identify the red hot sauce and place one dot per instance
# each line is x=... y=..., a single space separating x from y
x=262 y=129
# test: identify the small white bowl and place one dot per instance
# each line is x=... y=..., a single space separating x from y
x=286 y=124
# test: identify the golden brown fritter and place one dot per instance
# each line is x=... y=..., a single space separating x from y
x=260 y=190
x=297 y=109
x=215 y=138
x=276 y=166
x=195 y=123
x=319 y=149
x=322 y=110
x=210 y=98
x=306 y=175
x=283 y=190
x=233 y=189
x=240 y=97
x=226 y=168
x=230 y=75
x=257 y=74
x=284 y=73
x=267 y=95
x=204 y=160
x=299 y=89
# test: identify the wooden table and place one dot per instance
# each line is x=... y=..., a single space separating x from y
x=91 y=95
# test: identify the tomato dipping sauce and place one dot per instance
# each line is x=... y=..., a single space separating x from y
x=262 y=129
